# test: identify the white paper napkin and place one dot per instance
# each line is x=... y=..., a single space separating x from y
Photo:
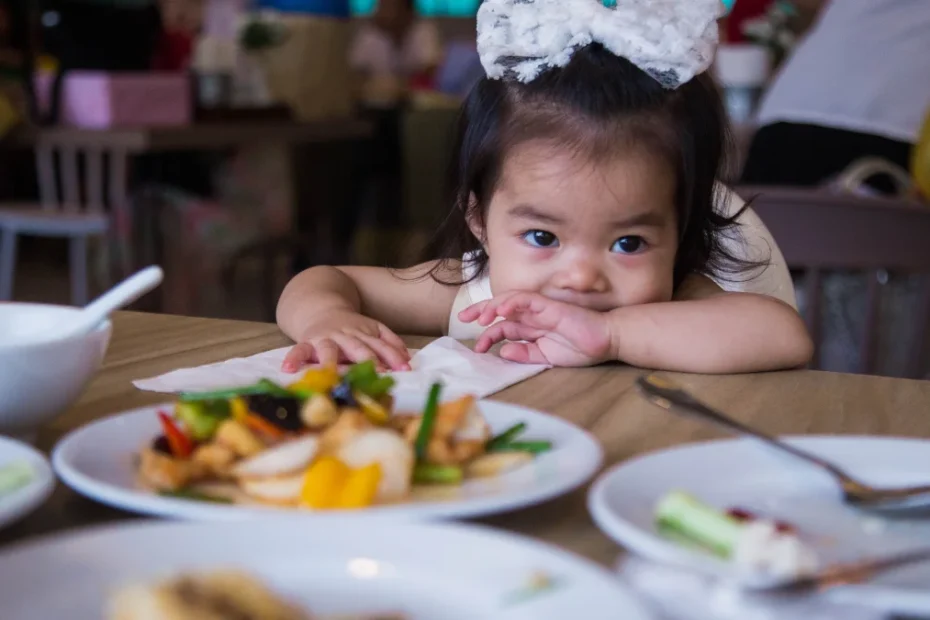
x=461 y=370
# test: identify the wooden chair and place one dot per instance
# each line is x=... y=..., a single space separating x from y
x=819 y=232
x=92 y=177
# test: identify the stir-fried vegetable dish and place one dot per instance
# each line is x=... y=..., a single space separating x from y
x=327 y=441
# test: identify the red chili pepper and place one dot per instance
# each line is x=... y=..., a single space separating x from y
x=180 y=444
x=743 y=515
x=263 y=426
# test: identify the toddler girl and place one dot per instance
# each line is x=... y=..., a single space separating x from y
x=586 y=224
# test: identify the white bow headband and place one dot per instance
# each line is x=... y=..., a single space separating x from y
x=671 y=40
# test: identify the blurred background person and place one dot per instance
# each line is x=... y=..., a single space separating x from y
x=857 y=85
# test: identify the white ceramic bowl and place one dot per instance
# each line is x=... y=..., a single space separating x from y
x=40 y=378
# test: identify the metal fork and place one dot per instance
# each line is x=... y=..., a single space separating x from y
x=851 y=573
x=668 y=395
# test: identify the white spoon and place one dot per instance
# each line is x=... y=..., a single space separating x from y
x=124 y=293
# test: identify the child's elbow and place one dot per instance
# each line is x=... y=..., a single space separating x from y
x=796 y=343
x=801 y=350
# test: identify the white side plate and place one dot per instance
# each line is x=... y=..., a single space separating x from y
x=746 y=474
x=17 y=504
x=426 y=571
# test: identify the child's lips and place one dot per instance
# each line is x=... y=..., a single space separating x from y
x=598 y=304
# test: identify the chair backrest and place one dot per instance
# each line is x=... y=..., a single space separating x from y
x=82 y=169
x=818 y=232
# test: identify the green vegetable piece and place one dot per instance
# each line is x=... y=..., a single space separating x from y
x=15 y=476
x=379 y=387
x=264 y=386
x=197 y=496
x=685 y=516
x=427 y=473
x=507 y=436
x=427 y=421
x=533 y=447
x=272 y=388
x=361 y=374
x=301 y=393
x=363 y=377
x=202 y=418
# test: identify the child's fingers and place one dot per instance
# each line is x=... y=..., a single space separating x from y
x=505 y=330
x=510 y=305
x=473 y=311
x=523 y=352
x=299 y=355
x=523 y=302
x=394 y=340
x=353 y=348
x=489 y=312
x=327 y=352
x=392 y=357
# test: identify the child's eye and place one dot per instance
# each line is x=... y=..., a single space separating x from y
x=628 y=245
x=541 y=239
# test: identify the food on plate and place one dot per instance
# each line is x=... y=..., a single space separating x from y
x=221 y=595
x=14 y=476
x=750 y=542
x=327 y=441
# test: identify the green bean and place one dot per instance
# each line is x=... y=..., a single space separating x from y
x=533 y=447
x=507 y=436
x=427 y=421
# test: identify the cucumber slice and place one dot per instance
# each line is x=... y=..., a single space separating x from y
x=683 y=516
x=14 y=476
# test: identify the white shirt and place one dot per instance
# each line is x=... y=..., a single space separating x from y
x=864 y=66
x=374 y=52
x=755 y=243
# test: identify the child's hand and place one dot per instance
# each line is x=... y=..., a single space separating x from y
x=346 y=336
x=557 y=333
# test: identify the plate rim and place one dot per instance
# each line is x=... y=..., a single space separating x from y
x=100 y=533
x=30 y=497
x=647 y=545
x=141 y=503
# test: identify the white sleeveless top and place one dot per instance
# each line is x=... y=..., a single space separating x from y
x=756 y=244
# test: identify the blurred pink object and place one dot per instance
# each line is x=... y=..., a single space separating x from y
x=98 y=100
x=221 y=18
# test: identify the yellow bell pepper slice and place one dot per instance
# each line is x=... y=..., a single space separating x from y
x=373 y=410
x=361 y=487
x=323 y=483
x=238 y=408
x=318 y=379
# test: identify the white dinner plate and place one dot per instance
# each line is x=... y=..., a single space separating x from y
x=426 y=571
x=747 y=474
x=20 y=502
x=97 y=461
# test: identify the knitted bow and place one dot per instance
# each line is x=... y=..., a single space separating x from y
x=671 y=40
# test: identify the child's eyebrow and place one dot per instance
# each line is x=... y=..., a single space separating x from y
x=530 y=212
x=646 y=218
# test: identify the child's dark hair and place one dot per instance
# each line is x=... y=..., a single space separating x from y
x=597 y=103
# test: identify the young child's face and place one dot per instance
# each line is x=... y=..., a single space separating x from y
x=598 y=234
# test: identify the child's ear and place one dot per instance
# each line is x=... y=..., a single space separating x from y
x=473 y=219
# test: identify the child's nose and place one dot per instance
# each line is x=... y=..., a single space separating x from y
x=583 y=276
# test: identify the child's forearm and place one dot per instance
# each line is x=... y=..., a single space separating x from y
x=312 y=292
x=722 y=334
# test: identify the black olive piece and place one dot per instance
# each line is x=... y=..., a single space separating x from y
x=282 y=411
x=161 y=445
x=343 y=396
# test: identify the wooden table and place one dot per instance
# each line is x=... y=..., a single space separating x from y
x=600 y=399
